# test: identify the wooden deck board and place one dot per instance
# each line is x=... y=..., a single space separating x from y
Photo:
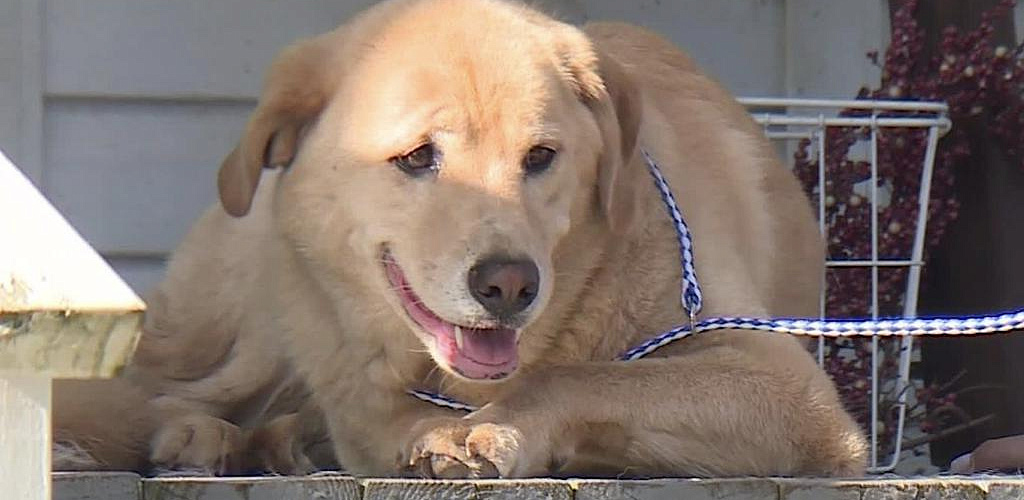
x=74 y=486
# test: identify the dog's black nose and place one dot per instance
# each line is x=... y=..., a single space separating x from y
x=504 y=286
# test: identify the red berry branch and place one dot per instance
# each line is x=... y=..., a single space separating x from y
x=983 y=85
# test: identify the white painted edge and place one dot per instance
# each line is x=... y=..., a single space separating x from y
x=45 y=265
x=24 y=436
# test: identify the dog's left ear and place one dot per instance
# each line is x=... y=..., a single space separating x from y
x=606 y=88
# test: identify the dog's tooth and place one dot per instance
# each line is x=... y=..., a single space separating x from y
x=458 y=336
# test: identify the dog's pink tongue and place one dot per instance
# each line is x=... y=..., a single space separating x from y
x=492 y=347
x=487 y=353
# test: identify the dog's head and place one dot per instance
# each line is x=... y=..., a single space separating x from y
x=439 y=151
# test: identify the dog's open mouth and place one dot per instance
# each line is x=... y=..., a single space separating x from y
x=476 y=353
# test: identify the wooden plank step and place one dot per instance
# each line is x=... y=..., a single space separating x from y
x=81 y=486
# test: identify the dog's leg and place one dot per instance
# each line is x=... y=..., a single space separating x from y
x=116 y=425
x=279 y=447
x=293 y=443
x=297 y=443
x=714 y=412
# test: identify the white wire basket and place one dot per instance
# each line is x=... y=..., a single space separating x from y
x=805 y=124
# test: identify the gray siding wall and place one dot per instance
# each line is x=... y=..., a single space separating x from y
x=121 y=110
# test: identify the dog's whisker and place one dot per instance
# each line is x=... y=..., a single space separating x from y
x=432 y=371
x=447 y=382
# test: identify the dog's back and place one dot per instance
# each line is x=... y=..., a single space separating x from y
x=719 y=144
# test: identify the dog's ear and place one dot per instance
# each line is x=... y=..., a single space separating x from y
x=297 y=87
x=606 y=88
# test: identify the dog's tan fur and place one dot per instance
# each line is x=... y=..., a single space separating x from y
x=292 y=294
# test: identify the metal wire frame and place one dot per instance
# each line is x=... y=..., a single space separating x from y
x=793 y=119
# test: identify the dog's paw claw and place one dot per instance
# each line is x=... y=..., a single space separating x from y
x=498 y=445
x=446 y=467
x=197 y=442
x=456 y=449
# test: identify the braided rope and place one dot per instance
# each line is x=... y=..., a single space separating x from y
x=441 y=400
x=840 y=328
x=692 y=300
x=691 y=295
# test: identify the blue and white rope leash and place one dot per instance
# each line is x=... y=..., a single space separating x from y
x=691 y=296
x=692 y=300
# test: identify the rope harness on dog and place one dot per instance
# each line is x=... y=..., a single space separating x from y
x=692 y=301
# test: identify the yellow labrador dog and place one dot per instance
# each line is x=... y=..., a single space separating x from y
x=463 y=206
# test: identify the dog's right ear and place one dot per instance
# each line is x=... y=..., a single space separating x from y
x=298 y=85
x=604 y=86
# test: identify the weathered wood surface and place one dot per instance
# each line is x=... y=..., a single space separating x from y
x=24 y=436
x=263 y=488
x=63 y=311
x=96 y=486
x=72 y=486
x=947 y=489
x=68 y=345
x=665 y=489
x=531 y=489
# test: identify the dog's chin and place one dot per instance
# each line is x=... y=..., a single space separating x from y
x=480 y=354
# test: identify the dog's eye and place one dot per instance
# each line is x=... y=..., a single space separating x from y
x=420 y=161
x=538 y=159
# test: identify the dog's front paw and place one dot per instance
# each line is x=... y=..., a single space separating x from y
x=198 y=441
x=456 y=448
